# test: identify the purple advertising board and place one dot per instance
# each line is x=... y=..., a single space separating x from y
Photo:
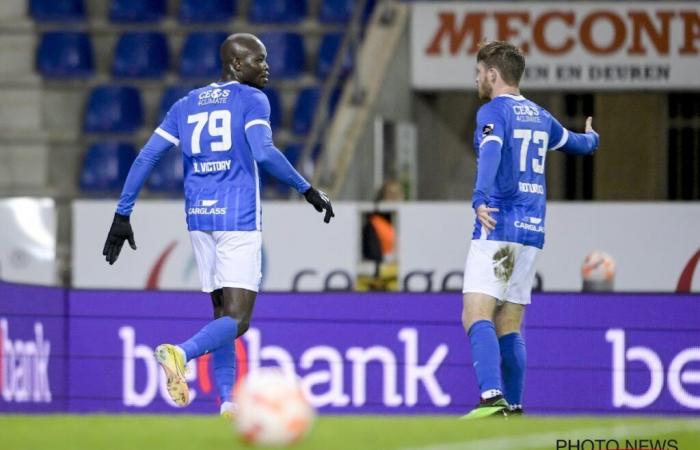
x=391 y=353
x=33 y=364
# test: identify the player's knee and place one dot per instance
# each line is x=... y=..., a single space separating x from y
x=243 y=326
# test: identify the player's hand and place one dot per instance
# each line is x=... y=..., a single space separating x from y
x=118 y=233
x=589 y=125
x=320 y=201
x=483 y=213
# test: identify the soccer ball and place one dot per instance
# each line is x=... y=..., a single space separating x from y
x=598 y=267
x=272 y=409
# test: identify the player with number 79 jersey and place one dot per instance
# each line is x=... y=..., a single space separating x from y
x=512 y=138
x=223 y=131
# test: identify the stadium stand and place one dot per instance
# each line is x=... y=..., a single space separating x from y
x=200 y=55
x=137 y=11
x=142 y=54
x=206 y=11
x=113 y=109
x=105 y=167
x=57 y=10
x=285 y=54
x=65 y=54
x=330 y=44
x=277 y=11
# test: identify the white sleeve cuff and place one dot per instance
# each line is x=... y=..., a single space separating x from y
x=562 y=141
x=167 y=136
x=491 y=138
x=257 y=122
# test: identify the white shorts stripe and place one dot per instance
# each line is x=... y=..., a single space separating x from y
x=167 y=136
x=257 y=122
x=562 y=141
x=491 y=138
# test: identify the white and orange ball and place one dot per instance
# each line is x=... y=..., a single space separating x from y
x=598 y=267
x=272 y=409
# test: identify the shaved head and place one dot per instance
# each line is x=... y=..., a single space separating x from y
x=243 y=58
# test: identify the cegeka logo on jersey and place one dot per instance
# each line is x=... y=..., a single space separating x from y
x=24 y=366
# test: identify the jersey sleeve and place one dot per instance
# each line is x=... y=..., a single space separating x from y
x=256 y=110
x=490 y=131
x=168 y=129
x=569 y=142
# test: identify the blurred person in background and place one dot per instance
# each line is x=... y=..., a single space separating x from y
x=512 y=138
x=223 y=130
x=379 y=240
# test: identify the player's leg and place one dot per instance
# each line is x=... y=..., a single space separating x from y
x=224 y=360
x=508 y=320
x=482 y=290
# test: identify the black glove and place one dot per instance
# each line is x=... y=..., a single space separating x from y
x=118 y=233
x=320 y=201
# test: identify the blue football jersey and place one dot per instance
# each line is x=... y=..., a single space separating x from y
x=222 y=185
x=526 y=132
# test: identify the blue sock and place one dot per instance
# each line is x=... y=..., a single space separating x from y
x=486 y=357
x=513 y=360
x=225 y=369
x=214 y=334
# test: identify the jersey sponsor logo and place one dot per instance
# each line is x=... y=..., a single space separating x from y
x=526 y=113
x=24 y=366
x=211 y=166
x=488 y=129
x=206 y=208
x=534 y=227
x=531 y=188
x=213 y=96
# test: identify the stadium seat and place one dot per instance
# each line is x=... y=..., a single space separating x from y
x=200 y=55
x=206 y=11
x=143 y=11
x=275 y=107
x=105 y=166
x=113 y=109
x=277 y=11
x=285 y=54
x=340 y=11
x=57 y=10
x=141 y=54
x=169 y=97
x=305 y=108
x=330 y=44
x=166 y=177
x=65 y=54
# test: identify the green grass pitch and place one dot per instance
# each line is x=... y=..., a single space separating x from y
x=135 y=432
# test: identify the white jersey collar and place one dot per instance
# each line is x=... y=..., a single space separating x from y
x=215 y=84
x=514 y=97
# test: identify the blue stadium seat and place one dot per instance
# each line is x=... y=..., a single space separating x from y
x=340 y=11
x=65 y=54
x=200 y=55
x=105 y=166
x=293 y=153
x=113 y=109
x=277 y=11
x=142 y=54
x=166 y=177
x=285 y=54
x=330 y=44
x=169 y=97
x=57 y=10
x=305 y=108
x=276 y=111
x=207 y=11
x=138 y=11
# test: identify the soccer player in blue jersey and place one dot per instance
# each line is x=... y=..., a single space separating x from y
x=512 y=138
x=223 y=131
